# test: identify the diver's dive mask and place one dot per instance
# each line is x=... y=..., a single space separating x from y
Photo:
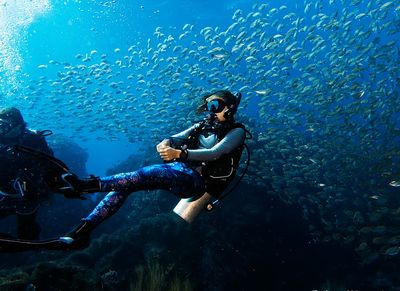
x=216 y=105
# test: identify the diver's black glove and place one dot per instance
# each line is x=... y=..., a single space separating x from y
x=75 y=187
x=65 y=184
x=72 y=186
x=69 y=189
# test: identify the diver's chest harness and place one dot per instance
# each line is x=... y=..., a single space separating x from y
x=218 y=173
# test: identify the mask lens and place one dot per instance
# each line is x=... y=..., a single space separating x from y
x=215 y=106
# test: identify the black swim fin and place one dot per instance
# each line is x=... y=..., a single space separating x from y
x=10 y=244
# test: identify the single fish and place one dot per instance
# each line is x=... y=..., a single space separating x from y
x=395 y=183
x=393 y=251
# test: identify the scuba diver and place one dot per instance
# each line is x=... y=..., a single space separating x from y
x=21 y=182
x=202 y=160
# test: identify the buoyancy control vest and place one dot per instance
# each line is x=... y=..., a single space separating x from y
x=220 y=172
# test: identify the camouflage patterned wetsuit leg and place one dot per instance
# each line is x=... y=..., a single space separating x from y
x=175 y=177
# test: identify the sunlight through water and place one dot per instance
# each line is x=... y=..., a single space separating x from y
x=15 y=18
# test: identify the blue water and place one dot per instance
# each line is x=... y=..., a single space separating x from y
x=72 y=27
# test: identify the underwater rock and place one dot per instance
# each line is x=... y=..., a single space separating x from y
x=14 y=281
x=110 y=279
x=155 y=275
x=51 y=276
x=134 y=162
x=70 y=153
x=163 y=227
x=82 y=258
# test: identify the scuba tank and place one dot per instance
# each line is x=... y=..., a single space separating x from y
x=188 y=209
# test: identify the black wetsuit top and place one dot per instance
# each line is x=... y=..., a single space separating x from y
x=215 y=153
x=20 y=169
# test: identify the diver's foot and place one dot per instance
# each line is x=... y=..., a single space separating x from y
x=21 y=245
x=79 y=237
x=69 y=243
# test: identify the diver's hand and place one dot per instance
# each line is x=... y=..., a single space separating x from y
x=69 y=190
x=169 y=154
x=164 y=144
